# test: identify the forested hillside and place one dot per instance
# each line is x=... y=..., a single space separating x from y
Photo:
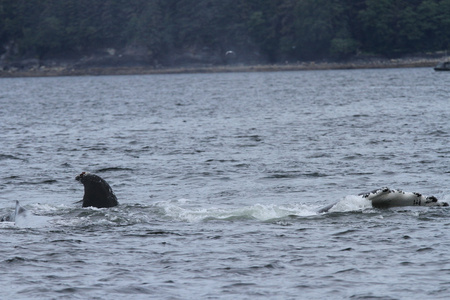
x=171 y=32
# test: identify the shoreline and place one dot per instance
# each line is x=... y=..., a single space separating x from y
x=143 y=70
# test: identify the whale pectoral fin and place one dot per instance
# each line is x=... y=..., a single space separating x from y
x=431 y=199
x=375 y=197
x=326 y=208
x=19 y=209
x=374 y=193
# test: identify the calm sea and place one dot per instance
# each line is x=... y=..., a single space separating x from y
x=219 y=177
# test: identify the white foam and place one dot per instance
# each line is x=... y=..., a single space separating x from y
x=446 y=198
x=261 y=212
x=7 y=224
x=351 y=203
x=42 y=208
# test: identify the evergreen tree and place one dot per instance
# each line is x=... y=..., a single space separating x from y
x=271 y=31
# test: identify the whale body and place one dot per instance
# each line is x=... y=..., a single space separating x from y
x=97 y=192
x=386 y=198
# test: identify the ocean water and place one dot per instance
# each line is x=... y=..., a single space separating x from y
x=219 y=178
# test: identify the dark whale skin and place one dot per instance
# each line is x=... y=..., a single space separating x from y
x=97 y=192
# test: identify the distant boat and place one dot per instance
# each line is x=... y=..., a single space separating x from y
x=443 y=66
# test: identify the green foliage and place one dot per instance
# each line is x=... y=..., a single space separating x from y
x=273 y=31
x=343 y=47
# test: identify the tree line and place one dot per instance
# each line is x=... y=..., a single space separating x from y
x=274 y=30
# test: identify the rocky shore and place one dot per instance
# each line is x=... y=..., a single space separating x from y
x=33 y=68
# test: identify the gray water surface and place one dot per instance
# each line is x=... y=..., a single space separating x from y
x=219 y=177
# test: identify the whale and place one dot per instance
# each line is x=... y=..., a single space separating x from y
x=386 y=198
x=97 y=192
x=19 y=210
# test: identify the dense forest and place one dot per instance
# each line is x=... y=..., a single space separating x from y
x=168 y=32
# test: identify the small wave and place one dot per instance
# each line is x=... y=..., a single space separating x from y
x=425 y=249
x=353 y=156
x=255 y=137
x=221 y=160
x=47 y=181
x=293 y=175
x=112 y=169
x=16 y=259
x=438 y=133
x=7 y=156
